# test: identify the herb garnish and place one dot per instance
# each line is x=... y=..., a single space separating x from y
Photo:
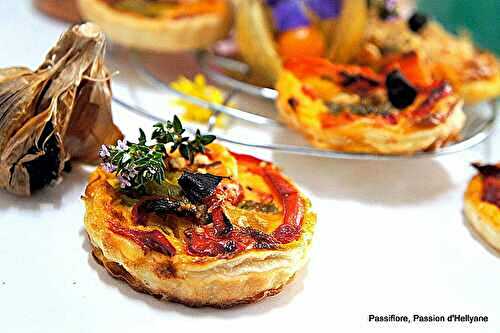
x=139 y=164
x=171 y=132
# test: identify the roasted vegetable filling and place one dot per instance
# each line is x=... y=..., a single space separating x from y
x=146 y=8
x=491 y=182
x=168 y=183
x=171 y=8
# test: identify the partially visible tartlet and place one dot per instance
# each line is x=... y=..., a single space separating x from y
x=355 y=109
x=473 y=73
x=220 y=229
x=482 y=203
x=161 y=25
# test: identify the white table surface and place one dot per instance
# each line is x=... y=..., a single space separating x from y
x=390 y=238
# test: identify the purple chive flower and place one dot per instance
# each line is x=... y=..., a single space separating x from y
x=391 y=3
x=272 y=3
x=124 y=182
x=122 y=145
x=389 y=10
x=109 y=167
x=104 y=152
x=132 y=172
x=289 y=15
x=325 y=9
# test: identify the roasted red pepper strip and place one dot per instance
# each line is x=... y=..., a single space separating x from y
x=423 y=113
x=221 y=224
x=412 y=68
x=491 y=191
x=491 y=182
x=247 y=159
x=209 y=241
x=320 y=67
x=153 y=240
x=329 y=120
x=293 y=205
x=206 y=242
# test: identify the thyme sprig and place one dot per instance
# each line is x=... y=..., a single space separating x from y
x=138 y=164
x=171 y=133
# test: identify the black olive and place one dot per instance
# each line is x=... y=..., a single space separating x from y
x=230 y=246
x=400 y=92
x=198 y=186
x=417 y=21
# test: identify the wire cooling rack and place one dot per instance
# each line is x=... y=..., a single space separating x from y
x=480 y=122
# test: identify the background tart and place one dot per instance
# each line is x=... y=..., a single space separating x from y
x=356 y=116
x=164 y=28
x=179 y=260
x=64 y=10
x=481 y=209
x=473 y=73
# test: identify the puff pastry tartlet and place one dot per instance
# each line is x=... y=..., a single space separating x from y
x=354 y=109
x=222 y=230
x=160 y=25
x=473 y=73
x=482 y=203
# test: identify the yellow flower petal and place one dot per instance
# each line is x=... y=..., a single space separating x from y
x=200 y=89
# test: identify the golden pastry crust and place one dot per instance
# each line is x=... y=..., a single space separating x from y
x=366 y=134
x=163 y=33
x=483 y=216
x=194 y=280
x=473 y=73
x=117 y=271
x=480 y=90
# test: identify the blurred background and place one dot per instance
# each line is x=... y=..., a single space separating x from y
x=479 y=17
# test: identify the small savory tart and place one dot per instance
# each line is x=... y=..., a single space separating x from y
x=160 y=25
x=63 y=10
x=473 y=73
x=482 y=203
x=222 y=230
x=354 y=109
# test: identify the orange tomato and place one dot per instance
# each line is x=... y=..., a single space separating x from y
x=304 y=41
x=412 y=67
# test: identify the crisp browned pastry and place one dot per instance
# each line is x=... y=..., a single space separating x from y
x=160 y=26
x=482 y=203
x=230 y=230
x=354 y=109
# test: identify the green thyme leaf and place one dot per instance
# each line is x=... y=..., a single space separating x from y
x=138 y=165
